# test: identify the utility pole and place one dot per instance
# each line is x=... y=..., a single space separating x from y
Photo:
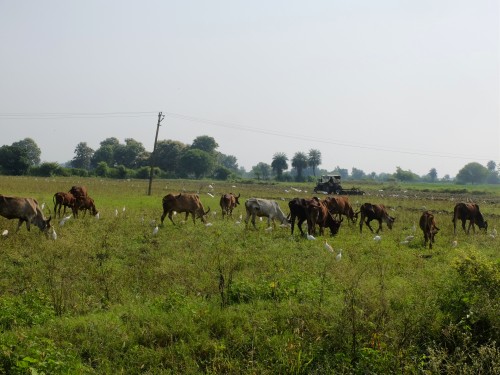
x=153 y=155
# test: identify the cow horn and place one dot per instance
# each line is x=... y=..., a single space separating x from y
x=239 y=195
x=206 y=213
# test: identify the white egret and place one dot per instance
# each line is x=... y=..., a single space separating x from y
x=210 y=187
x=310 y=237
x=454 y=243
x=123 y=209
x=268 y=229
x=64 y=220
x=5 y=232
x=116 y=212
x=377 y=238
x=339 y=255
x=409 y=238
x=494 y=232
x=43 y=205
x=97 y=216
x=208 y=224
x=155 y=231
x=54 y=234
x=328 y=247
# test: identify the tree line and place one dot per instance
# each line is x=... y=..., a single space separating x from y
x=200 y=159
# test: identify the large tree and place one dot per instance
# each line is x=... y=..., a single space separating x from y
x=168 y=153
x=279 y=164
x=197 y=162
x=205 y=143
x=432 y=174
x=30 y=150
x=473 y=173
x=299 y=162
x=261 y=170
x=83 y=156
x=314 y=159
x=130 y=154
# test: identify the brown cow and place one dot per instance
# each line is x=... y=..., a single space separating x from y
x=62 y=199
x=428 y=225
x=188 y=203
x=377 y=212
x=79 y=191
x=317 y=213
x=228 y=202
x=24 y=209
x=84 y=204
x=468 y=211
x=341 y=206
x=298 y=210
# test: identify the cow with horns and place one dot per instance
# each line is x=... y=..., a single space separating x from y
x=318 y=214
x=341 y=206
x=188 y=203
x=228 y=202
x=26 y=210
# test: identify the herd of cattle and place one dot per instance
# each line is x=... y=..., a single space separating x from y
x=322 y=213
x=326 y=213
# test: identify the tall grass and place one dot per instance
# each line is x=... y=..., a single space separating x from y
x=110 y=297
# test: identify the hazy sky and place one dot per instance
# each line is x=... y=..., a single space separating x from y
x=371 y=84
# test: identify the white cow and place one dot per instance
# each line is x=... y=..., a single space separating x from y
x=264 y=208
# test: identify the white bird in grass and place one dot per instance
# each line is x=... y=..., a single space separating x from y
x=494 y=232
x=54 y=234
x=268 y=229
x=339 y=255
x=454 y=243
x=409 y=238
x=123 y=209
x=155 y=231
x=5 y=232
x=64 y=220
x=43 y=205
x=377 y=238
x=116 y=212
x=97 y=216
x=328 y=247
x=238 y=222
x=208 y=224
x=310 y=237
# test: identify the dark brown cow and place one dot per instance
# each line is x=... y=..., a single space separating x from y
x=468 y=211
x=428 y=225
x=298 y=211
x=341 y=206
x=377 y=212
x=188 y=203
x=318 y=214
x=62 y=199
x=84 y=204
x=78 y=191
x=228 y=202
x=24 y=209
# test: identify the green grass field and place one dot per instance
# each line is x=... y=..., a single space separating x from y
x=109 y=297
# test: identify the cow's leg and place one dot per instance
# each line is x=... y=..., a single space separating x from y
x=367 y=222
x=463 y=225
x=299 y=224
x=247 y=218
x=253 y=221
x=170 y=213
x=193 y=215
x=379 y=225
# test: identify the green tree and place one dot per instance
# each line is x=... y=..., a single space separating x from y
x=168 y=153
x=279 y=164
x=222 y=173
x=30 y=150
x=314 y=159
x=492 y=166
x=432 y=175
x=13 y=161
x=83 y=156
x=228 y=161
x=299 y=162
x=357 y=174
x=261 y=170
x=205 y=143
x=403 y=175
x=130 y=154
x=197 y=162
x=473 y=173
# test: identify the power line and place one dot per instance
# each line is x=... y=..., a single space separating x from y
x=231 y=125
